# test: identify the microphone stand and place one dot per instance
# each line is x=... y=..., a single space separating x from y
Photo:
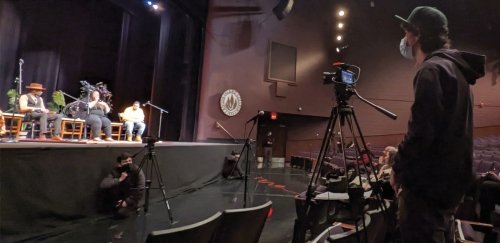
x=74 y=119
x=161 y=114
x=21 y=62
x=16 y=103
x=248 y=147
x=229 y=134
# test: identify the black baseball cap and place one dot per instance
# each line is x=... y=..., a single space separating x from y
x=425 y=19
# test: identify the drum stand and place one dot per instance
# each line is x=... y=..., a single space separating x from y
x=85 y=120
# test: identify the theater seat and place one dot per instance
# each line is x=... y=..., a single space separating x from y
x=469 y=231
x=199 y=232
x=242 y=225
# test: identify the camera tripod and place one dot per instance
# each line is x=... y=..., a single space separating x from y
x=343 y=114
x=150 y=163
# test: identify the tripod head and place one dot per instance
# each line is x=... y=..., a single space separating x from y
x=150 y=142
x=344 y=78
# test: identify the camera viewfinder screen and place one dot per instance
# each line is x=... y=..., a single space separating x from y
x=347 y=77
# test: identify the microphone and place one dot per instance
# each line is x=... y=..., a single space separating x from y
x=254 y=118
x=21 y=61
x=145 y=104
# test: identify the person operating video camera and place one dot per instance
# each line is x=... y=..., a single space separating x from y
x=125 y=186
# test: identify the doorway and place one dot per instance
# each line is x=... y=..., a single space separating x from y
x=276 y=132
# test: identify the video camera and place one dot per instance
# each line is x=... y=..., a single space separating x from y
x=342 y=75
x=344 y=80
x=150 y=140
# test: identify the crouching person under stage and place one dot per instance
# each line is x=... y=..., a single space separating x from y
x=124 y=187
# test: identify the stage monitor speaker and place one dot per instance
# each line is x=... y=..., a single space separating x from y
x=283 y=8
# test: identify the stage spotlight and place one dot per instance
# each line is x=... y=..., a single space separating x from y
x=155 y=5
x=340 y=25
x=341 y=13
x=339 y=37
x=283 y=8
x=341 y=48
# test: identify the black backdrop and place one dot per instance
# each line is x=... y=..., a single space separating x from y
x=39 y=193
x=121 y=43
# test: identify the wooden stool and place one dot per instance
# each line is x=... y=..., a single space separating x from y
x=17 y=121
x=72 y=127
x=116 y=130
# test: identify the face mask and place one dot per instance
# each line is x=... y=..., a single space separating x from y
x=405 y=49
x=126 y=168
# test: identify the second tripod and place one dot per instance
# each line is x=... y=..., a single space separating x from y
x=150 y=164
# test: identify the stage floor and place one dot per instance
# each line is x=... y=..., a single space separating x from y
x=67 y=143
x=278 y=185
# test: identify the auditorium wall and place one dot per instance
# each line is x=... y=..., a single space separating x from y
x=236 y=52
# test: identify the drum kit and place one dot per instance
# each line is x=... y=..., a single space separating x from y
x=78 y=108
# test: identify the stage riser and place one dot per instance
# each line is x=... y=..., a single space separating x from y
x=53 y=184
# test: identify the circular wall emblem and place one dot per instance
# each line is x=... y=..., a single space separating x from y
x=230 y=102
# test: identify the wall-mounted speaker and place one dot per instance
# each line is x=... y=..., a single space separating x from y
x=283 y=8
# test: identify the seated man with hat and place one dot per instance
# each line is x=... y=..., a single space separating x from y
x=32 y=105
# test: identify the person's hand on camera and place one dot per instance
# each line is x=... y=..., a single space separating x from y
x=123 y=176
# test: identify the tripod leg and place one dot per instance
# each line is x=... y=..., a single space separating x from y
x=344 y=148
x=235 y=166
x=247 y=169
x=301 y=223
x=325 y=145
x=363 y=218
x=144 y=165
x=146 y=199
x=376 y=186
x=356 y=149
x=162 y=187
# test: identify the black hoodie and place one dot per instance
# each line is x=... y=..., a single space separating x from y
x=434 y=160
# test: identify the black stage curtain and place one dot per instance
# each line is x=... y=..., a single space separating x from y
x=42 y=188
x=139 y=53
x=176 y=82
x=61 y=42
